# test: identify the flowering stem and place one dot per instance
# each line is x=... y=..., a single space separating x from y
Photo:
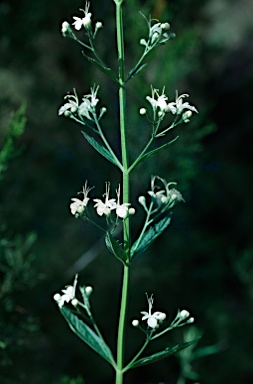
x=125 y=171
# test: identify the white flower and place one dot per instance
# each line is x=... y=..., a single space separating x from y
x=159 y=197
x=69 y=105
x=78 y=206
x=85 y=21
x=159 y=101
x=179 y=105
x=104 y=208
x=152 y=319
x=68 y=294
x=121 y=209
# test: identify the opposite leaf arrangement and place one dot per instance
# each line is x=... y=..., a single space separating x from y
x=107 y=212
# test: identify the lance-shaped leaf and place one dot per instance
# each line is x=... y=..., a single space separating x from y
x=162 y=354
x=108 y=71
x=144 y=241
x=102 y=150
x=86 y=334
x=154 y=151
x=116 y=248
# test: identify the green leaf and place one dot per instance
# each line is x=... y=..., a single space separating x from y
x=135 y=70
x=155 y=151
x=116 y=248
x=101 y=149
x=144 y=241
x=162 y=354
x=87 y=335
x=108 y=71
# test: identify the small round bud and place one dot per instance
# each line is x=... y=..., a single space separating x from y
x=155 y=36
x=160 y=316
x=191 y=320
x=186 y=116
x=57 y=297
x=143 y=42
x=73 y=109
x=103 y=110
x=67 y=113
x=135 y=323
x=184 y=314
x=164 y=199
x=99 y=25
x=88 y=290
x=131 y=211
x=165 y=26
x=65 y=27
x=142 y=200
x=143 y=111
x=74 y=302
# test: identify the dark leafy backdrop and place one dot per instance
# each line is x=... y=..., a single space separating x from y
x=203 y=262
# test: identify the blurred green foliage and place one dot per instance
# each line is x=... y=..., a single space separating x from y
x=204 y=260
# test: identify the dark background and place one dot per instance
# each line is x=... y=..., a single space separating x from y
x=203 y=262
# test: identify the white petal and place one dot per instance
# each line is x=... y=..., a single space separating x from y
x=152 y=322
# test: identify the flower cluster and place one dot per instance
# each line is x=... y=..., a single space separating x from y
x=68 y=295
x=159 y=102
x=155 y=319
x=158 y=34
x=87 y=108
x=163 y=199
x=103 y=207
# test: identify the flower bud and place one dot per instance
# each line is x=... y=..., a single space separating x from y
x=67 y=113
x=155 y=36
x=65 y=28
x=142 y=200
x=190 y=321
x=186 y=116
x=73 y=109
x=99 y=25
x=57 y=297
x=88 y=290
x=184 y=314
x=164 y=199
x=143 y=111
x=131 y=211
x=135 y=323
x=74 y=302
x=165 y=26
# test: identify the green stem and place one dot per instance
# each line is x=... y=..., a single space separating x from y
x=126 y=226
x=137 y=355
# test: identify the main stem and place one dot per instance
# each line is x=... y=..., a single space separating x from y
x=126 y=228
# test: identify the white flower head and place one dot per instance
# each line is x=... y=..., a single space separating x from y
x=152 y=319
x=105 y=208
x=85 y=21
x=68 y=294
x=78 y=206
